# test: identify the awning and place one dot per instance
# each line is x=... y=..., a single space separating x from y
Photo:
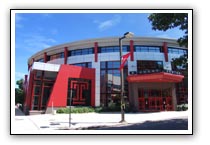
x=45 y=66
x=155 y=77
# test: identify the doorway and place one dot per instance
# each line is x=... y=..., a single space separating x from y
x=155 y=99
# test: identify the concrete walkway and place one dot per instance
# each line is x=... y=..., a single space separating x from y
x=48 y=123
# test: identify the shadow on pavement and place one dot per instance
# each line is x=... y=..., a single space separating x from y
x=18 y=112
x=173 y=124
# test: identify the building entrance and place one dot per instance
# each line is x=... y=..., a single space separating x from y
x=42 y=87
x=155 y=99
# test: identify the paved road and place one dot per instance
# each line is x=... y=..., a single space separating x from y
x=172 y=124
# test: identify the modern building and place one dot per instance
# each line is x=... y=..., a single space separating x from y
x=88 y=71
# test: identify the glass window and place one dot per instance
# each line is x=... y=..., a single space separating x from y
x=56 y=56
x=103 y=64
x=149 y=65
x=177 y=50
x=85 y=64
x=146 y=48
x=110 y=82
x=113 y=49
x=81 y=52
x=37 y=90
x=116 y=64
x=40 y=60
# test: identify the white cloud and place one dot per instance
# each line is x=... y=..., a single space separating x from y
x=18 y=20
x=108 y=23
x=19 y=75
x=35 y=42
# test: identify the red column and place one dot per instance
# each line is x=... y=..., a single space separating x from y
x=29 y=67
x=96 y=51
x=45 y=57
x=131 y=50
x=65 y=55
x=165 y=51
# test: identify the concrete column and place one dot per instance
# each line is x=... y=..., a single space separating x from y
x=96 y=65
x=133 y=97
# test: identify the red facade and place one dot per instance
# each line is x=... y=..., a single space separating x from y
x=59 y=92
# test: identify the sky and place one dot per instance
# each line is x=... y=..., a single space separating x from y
x=37 y=31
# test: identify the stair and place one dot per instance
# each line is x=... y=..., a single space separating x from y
x=36 y=112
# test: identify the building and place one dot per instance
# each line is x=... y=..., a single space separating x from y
x=88 y=71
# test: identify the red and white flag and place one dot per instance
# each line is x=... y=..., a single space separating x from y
x=124 y=59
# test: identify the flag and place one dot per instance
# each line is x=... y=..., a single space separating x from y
x=124 y=59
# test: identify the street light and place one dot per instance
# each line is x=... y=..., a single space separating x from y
x=126 y=35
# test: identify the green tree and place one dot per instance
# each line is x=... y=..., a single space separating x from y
x=180 y=63
x=19 y=94
x=165 y=21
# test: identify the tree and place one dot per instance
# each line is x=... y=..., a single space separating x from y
x=165 y=21
x=19 y=94
x=180 y=63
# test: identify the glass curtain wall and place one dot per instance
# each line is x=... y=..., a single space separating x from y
x=110 y=86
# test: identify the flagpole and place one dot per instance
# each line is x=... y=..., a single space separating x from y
x=122 y=84
x=126 y=35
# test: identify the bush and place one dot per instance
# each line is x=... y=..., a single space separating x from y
x=98 y=109
x=182 y=107
x=76 y=110
x=111 y=108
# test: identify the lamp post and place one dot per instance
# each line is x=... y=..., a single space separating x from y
x=126 y=35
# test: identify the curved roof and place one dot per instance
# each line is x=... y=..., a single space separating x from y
x=107 y=41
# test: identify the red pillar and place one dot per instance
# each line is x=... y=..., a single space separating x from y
x=45 y=57
x=96 y=51
x=29 y=67
x=131 y=50
x=65 y=55
x=165 y=51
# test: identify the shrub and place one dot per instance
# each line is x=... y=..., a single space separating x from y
x=76 y=110
x=182 y=107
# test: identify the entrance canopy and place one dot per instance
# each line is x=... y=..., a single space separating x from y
x=155 y=77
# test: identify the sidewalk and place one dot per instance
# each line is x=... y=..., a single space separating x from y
x=22 y=122
x=49 y=122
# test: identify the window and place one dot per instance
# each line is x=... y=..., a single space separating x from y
x=40 y=60
x=110 y=82
x=56 y=56
x=85 y=64
x=149 y=65
x=80 y=52
x=177 y=51
x=113 y=49
x=138 y=48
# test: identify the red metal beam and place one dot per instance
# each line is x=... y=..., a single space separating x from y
x=165 y=51
x=65 y=55
x=96 y=51
x=131 y=50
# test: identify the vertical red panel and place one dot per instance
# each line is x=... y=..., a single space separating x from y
x=29 y=97
x=131 y=50
x=45 y=57
x=165 y=51
x=65 y=55
x=29 y=67
x=96 y=51
x=59 y=91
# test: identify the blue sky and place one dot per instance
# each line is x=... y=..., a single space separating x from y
x=37 y=31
